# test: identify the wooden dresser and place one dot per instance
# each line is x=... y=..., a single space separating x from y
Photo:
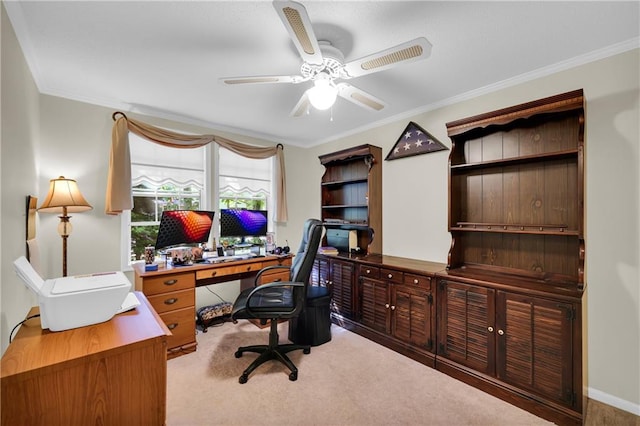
x=113 y=373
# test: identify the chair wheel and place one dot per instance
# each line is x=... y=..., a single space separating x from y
x=243 y=379
x=306 y=351
x=293 y=376
x=238 y=354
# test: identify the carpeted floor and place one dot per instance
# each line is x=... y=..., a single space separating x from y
x=348 y=381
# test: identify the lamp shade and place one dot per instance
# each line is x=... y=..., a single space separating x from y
x=64 y=193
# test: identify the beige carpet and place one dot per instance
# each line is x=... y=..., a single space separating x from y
x=348 y=381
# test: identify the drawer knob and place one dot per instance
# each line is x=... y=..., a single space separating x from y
x=501 y=332
x=277 y=280
x=171 y=301
x=490 y=329
x=415 y=281
x=172 y=325
x=393 y=307
x=248 y=268
x=390 y=276
x=214 y=273
x=368 y=271
x=386 y=305
x=170 y=282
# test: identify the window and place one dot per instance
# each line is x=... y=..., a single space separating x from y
x=162 y=179
x=170 y=179
x=244 y=183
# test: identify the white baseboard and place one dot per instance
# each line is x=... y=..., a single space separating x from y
x=614 y=401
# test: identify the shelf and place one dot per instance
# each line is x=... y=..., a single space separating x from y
x=514 y=228
x=534 y=158
x=346 y=224
x=345 y=182
x=345 y=206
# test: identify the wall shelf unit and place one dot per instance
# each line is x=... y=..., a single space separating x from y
x=509 y=302
x=351 y=190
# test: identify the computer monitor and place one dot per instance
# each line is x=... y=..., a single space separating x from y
x=243 y=223
x=184 y=227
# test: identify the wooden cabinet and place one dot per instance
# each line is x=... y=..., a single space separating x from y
x=510 y=301
x=398 y=304
x=112 y=373
x=173 y=298
x=522 y=340
x=351 y=191
x=338 y=276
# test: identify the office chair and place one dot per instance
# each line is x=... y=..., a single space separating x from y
x=279 y=300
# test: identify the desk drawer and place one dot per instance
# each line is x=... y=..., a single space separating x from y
x=182 y=324
x=228 y=270
x=277 y=275
x=165 y=283
x=172 y=301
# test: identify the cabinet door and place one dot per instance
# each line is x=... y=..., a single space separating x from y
x=341 y=282
x=320 y=272
x=374 y=304
x=466 y=329
x=535 y=345
x=411 y=315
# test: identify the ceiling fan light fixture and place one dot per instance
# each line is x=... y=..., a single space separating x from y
x=323 y=94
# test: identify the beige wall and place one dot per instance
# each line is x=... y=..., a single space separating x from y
x=43 y=136
x=19 y=143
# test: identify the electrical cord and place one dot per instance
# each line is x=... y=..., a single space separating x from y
x=19 y=324
x=216 y=294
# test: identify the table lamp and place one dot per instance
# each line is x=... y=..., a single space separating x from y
x=64 y=197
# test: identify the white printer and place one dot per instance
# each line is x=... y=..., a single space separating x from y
x=76 y=301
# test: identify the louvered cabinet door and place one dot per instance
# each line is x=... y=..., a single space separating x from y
x=411 y=315
x=374 y=304
x=341 y=278
x=320 y=272
x=466 y=328
x=534 y=339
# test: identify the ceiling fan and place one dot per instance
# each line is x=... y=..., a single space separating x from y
x=323 y=64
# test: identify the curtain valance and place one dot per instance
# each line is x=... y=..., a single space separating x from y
x=119 y=197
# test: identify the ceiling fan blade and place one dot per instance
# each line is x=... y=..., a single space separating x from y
x=264 y=79
x=410 y=51
x=360 y=97
x=301 y=107
x=296 y=20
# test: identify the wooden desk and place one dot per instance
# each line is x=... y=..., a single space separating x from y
x=113 y=373
x=171 y=291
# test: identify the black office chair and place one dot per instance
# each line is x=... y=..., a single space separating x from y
x=279 y=300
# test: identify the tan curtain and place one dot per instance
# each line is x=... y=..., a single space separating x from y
x=119 y=179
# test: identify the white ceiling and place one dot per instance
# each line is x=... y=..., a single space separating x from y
x=164 y=58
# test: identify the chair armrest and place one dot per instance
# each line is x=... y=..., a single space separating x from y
x=268 y=268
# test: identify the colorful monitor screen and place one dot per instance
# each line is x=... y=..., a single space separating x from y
x=243 y=223
x=184 y=227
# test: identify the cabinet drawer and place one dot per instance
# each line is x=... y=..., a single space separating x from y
x=165 y=283
x=391 y=275
x=174 y=300
x=182 y=325
x=418 y=280
x=369 y=271
x=227 y=270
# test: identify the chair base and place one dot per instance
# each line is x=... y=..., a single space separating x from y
x=271 y=351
